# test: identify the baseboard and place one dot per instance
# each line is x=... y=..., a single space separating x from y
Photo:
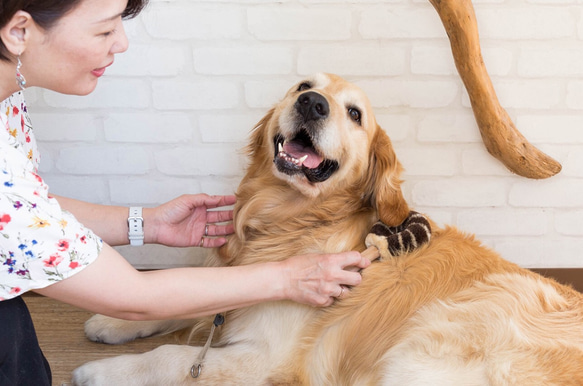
x=570 y=276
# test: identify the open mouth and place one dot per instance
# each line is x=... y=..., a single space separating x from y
x=299 y=156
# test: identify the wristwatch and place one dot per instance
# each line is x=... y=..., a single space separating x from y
x=136 y=226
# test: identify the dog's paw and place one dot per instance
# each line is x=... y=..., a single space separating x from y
x=124 y=370
x=91 y=374
x=104 y=329
x=414 y=232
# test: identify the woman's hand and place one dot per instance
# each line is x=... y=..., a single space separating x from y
x=319 y=279
x=187 y=221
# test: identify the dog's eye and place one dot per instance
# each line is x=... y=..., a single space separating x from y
x=304 y=86
x=354 y=114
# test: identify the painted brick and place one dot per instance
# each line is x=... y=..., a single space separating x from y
x=533 y=252
x=346 y=59
x=111 y=93
x=397 y=126
x=437 y=59
x=227 y=128
x=180 y=22
x=243 y=60
x=72 y=127
x=90 y=188
x=550 y=61
x=526 y=22
x=478 y=162
x=147 y=59
x=573 y=163
x=502 y=222
x=203 y=95
x=421 y=161
x=299 y=23
x=459 y=192
x=535 y=94
x=563 y=193
x=555 y=129
x=91 y=160
x=395 y=22
x=574 y=99
x=265 y=94
x=209 y=160
x=420 y=94
x=150 y=191
x=148 y=127
x=569 y=223
x=450 y=127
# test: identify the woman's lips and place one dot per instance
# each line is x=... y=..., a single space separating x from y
x=100 y=71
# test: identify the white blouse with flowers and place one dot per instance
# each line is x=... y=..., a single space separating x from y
x=40 y=243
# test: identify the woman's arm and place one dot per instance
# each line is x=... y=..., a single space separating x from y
x=108 y=222
x=181 y=222
x=112 y=287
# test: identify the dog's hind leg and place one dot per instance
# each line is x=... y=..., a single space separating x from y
x=104 y=329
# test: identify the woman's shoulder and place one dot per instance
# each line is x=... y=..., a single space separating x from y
x=16 y=129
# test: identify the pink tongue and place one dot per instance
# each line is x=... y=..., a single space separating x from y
x=297 y=151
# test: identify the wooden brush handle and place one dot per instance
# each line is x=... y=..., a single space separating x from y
x=371 y=253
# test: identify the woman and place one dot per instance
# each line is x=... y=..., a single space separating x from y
x=60 y=247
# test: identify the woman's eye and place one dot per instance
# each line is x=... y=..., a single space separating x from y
x=354 y=114
x=304 y=86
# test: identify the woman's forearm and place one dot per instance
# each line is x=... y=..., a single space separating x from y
x=112 y=287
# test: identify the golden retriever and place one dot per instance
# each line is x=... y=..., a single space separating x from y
x=451 y=312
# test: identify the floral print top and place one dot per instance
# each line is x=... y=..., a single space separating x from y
x=40 y=243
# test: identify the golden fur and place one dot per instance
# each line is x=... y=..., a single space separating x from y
x=452 y=312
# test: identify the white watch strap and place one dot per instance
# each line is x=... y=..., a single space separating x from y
x=136 y=226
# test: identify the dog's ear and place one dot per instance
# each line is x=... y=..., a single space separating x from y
x=258 y=136
x=383 y=182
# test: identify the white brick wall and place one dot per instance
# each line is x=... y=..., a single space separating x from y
x=173 y=113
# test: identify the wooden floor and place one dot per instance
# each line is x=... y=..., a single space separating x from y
x=60 y=332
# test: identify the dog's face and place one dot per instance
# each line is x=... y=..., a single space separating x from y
x=322 y=138
x=320 y=132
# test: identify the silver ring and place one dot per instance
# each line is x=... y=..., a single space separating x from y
x=341 y=292
x=201 y=242
x=206 y=230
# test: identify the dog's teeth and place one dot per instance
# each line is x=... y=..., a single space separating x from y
x=301 y=160
x=279 y=147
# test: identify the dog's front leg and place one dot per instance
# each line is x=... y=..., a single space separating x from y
x=239 y=364
x=104 y=329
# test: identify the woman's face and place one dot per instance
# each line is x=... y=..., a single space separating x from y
x=71 y=56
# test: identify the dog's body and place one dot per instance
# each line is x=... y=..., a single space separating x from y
x=452 y=312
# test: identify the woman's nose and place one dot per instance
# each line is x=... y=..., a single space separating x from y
x=121 y=43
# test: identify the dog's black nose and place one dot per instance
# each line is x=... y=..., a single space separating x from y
x=312 y=106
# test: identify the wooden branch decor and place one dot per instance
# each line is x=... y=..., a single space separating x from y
x=502 y=139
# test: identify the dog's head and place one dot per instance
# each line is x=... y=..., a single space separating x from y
x=323 y=138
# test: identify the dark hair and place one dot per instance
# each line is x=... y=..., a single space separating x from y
x=47 y=12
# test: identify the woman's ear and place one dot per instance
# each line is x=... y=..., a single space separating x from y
x=15 y=33
x=383 y=181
